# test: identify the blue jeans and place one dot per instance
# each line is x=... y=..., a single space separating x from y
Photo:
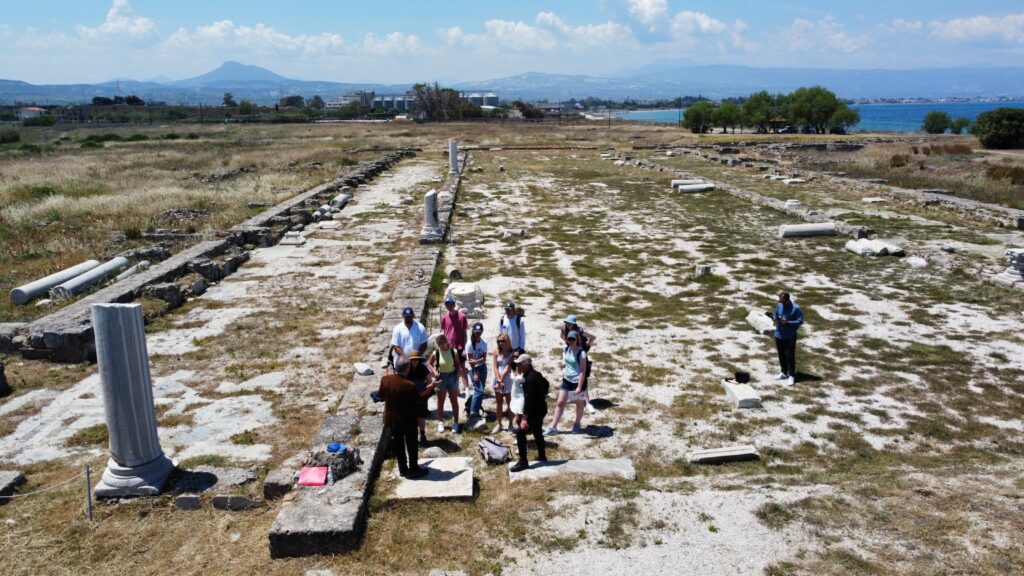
x=478 y=377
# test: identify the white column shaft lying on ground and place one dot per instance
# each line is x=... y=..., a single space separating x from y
x=814 y=229
x=90 y=278
x=137 y=465
x=24 y=294
x=453 y=156
x=431 y=226
x=686 y=181
x=142 y=265
x=705 y=187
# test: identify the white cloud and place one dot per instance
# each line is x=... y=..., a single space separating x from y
x=825 y=34
x=609 y=34
x=392 y=43
x=518 y=36
x=1009 y=28
x=121 y=22
x=451 y=35
x=905 y=26
x=225 y=34
x=648 y=11
x=688 y=24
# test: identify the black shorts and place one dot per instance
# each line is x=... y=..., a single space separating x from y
x=570 y=387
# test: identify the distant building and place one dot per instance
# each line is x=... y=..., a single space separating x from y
x=394 y=102
x=490 y=99
x=28 y=112
x=481 y=99
x=362 y=97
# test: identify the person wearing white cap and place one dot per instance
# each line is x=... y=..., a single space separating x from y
x=574 y=383
x=535 y=407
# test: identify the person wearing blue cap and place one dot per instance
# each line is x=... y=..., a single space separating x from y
x=586 y=341
x=574 y=383
x=453 y=326
x=407 y=336
x=477 y=356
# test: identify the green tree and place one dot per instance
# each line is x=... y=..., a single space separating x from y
x=699 y=117
x=960 y=125
x=316 y=102
x=245 y=107
x=728 y=115
x=812 y=108
x=936 y=122
x=134 y=101
x=1000 y=128
x=757 y=110
x=229 y=100
x=843 y=119
x=293 y=102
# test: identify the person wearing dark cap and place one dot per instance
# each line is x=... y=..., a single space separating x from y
x=788 y=318
x=512 y=324
x=535 y=408
x=400 y=398
x=453 y=326
x=477 y=356
x=407 y=336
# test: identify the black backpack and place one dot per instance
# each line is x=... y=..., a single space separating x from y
x=590 y=363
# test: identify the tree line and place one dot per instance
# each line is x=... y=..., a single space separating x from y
x=814 y=110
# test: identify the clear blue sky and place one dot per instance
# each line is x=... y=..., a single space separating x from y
x=62 y=41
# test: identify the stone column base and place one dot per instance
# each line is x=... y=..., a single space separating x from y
x=143 y=480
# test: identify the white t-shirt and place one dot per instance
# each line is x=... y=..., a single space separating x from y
x=409 y=338
x=518 y=396
x=516 y=330
x=476 y=351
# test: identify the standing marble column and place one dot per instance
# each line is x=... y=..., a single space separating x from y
x=453 y=156
x=431 y=226
x=137 y=465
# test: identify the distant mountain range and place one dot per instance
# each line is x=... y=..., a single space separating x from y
x=659 y=80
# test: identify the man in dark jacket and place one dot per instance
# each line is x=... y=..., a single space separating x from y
x=535 y=408
x=788 y=319
x=400 y=416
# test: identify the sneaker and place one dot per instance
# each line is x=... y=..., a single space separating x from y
x=417 y=473
x=440 y=427
x=589 y=408
x=551 y=431
x=496 y=429
x=511 y=430
x=519 y=466
x=455 y=427
x=782 y=376
x=576 y=429
x=790 y=381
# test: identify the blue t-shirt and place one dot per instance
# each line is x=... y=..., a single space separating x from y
x=572 y=364
x=795 y=316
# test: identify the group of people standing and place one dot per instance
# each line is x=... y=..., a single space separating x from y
x=520 y=391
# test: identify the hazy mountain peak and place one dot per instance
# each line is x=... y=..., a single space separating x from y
x=232 y=71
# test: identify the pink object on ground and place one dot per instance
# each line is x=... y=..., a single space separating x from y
x=313 y=476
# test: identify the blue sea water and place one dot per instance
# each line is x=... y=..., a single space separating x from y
x=873 y=117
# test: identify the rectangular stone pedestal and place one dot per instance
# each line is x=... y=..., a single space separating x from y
x=741 y=395
x=621 y=467
x=723 y=455
x=447 y=478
